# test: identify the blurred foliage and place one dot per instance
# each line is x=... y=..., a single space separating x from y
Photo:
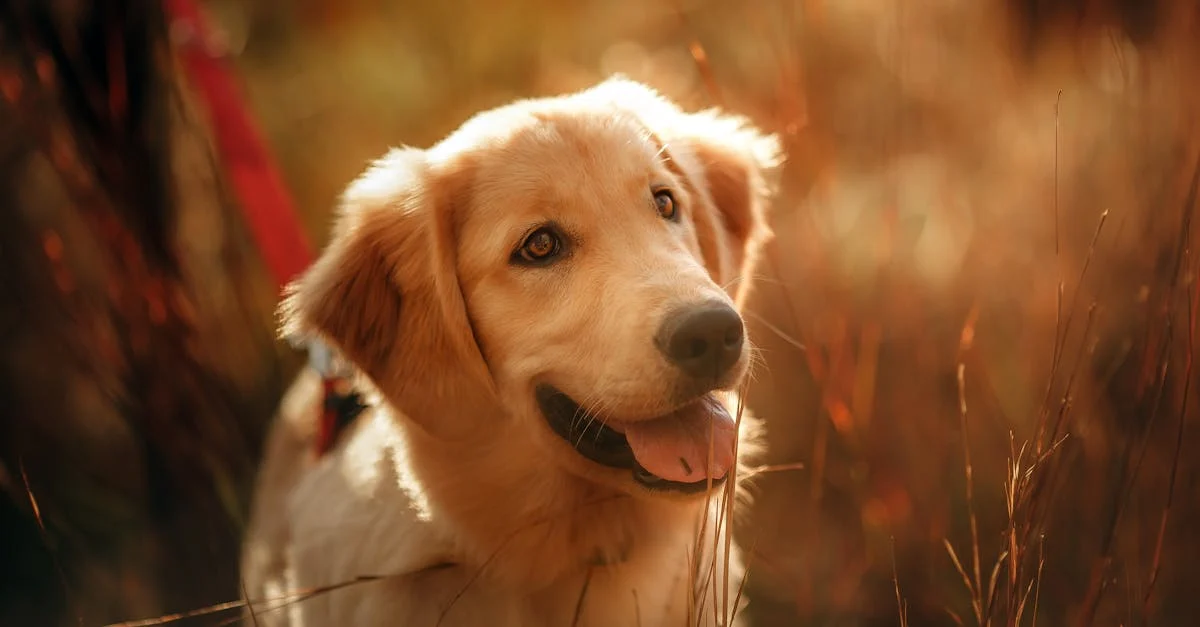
x=939 y=245
x=137 y=367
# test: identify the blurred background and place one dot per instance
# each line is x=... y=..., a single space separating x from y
x=977 y=314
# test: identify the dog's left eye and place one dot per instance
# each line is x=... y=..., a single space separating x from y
x=664 y=202
x=539 y=247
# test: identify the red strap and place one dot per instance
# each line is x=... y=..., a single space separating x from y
x=248 y=163
x=264 y=199
x=328 y=423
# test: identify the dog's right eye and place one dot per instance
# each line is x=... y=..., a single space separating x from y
x=539 y=247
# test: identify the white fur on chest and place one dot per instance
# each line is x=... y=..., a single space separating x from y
x=358 y=516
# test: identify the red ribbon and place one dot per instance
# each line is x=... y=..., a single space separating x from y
x=248 y=163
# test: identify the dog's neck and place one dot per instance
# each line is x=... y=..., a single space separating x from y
x=523 y=520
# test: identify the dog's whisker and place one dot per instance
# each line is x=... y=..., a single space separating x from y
x=797 y=344
x=587 y=409
x=596 y=412
x=755 y=278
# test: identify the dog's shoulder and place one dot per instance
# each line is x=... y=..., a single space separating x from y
x=353 y=513
x=358 y=510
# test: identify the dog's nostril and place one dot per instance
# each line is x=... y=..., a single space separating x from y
x=733 y=337
x=696 y=349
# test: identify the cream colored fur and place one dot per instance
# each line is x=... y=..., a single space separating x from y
x=450 y=499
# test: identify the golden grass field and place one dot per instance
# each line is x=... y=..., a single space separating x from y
x=976 y=317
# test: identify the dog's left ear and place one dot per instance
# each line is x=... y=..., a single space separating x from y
x=730 y=165
x=385 y=291
x=734 y=162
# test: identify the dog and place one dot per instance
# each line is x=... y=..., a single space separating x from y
x=543 y=312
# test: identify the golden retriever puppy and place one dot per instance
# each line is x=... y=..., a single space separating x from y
x=544 y=307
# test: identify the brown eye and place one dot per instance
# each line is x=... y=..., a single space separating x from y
x=664 y=201
x=540 y=246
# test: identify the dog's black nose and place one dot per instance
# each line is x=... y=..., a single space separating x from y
x=704 y=340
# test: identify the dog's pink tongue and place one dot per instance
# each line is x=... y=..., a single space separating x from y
x=676 y=447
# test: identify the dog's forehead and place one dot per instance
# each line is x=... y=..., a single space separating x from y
x=552 y=158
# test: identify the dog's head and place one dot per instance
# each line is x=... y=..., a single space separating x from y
x=577 y=261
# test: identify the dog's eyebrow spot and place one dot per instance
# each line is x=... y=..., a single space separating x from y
x=663 y=154
x=668 y=161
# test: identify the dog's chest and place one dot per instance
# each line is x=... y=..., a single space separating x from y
x=355 y=518
x=623 y=595
x=603 y=597
x=452 y=597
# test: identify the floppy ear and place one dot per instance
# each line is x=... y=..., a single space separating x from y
x=385 y=291
x=733 y=161
x=729 y=164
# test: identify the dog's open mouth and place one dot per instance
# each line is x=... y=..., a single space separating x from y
x=678 y=451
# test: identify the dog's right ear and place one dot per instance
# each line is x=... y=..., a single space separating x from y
x=385 y=292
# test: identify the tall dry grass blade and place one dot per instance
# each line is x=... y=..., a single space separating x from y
x=249 y=607
x=970 y=474
x=770 y=326
x=729 y=503
x=180 y=616
x=1193 y=305
x=587 y=580
x=737 y=598
x=966 y=580
x=1066 y=402
x=1012 y=487
x=45 y=536
x=1016 y=622
x=1037 y=594
x=296 y=597
x=754 y=471
x=504 y=543
x=1062 y=331
x=1058 y=312
x=693 y=594
x=1044 y=412
x=1087 y=263
x=1126 y=481
x=901 y=606
x=709 y=586
x=712 y=569
x=989 y=601
x=1057 y=106
x=1099 y=580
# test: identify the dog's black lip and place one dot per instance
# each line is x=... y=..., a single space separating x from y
x=586 y=434
x=594 y=440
